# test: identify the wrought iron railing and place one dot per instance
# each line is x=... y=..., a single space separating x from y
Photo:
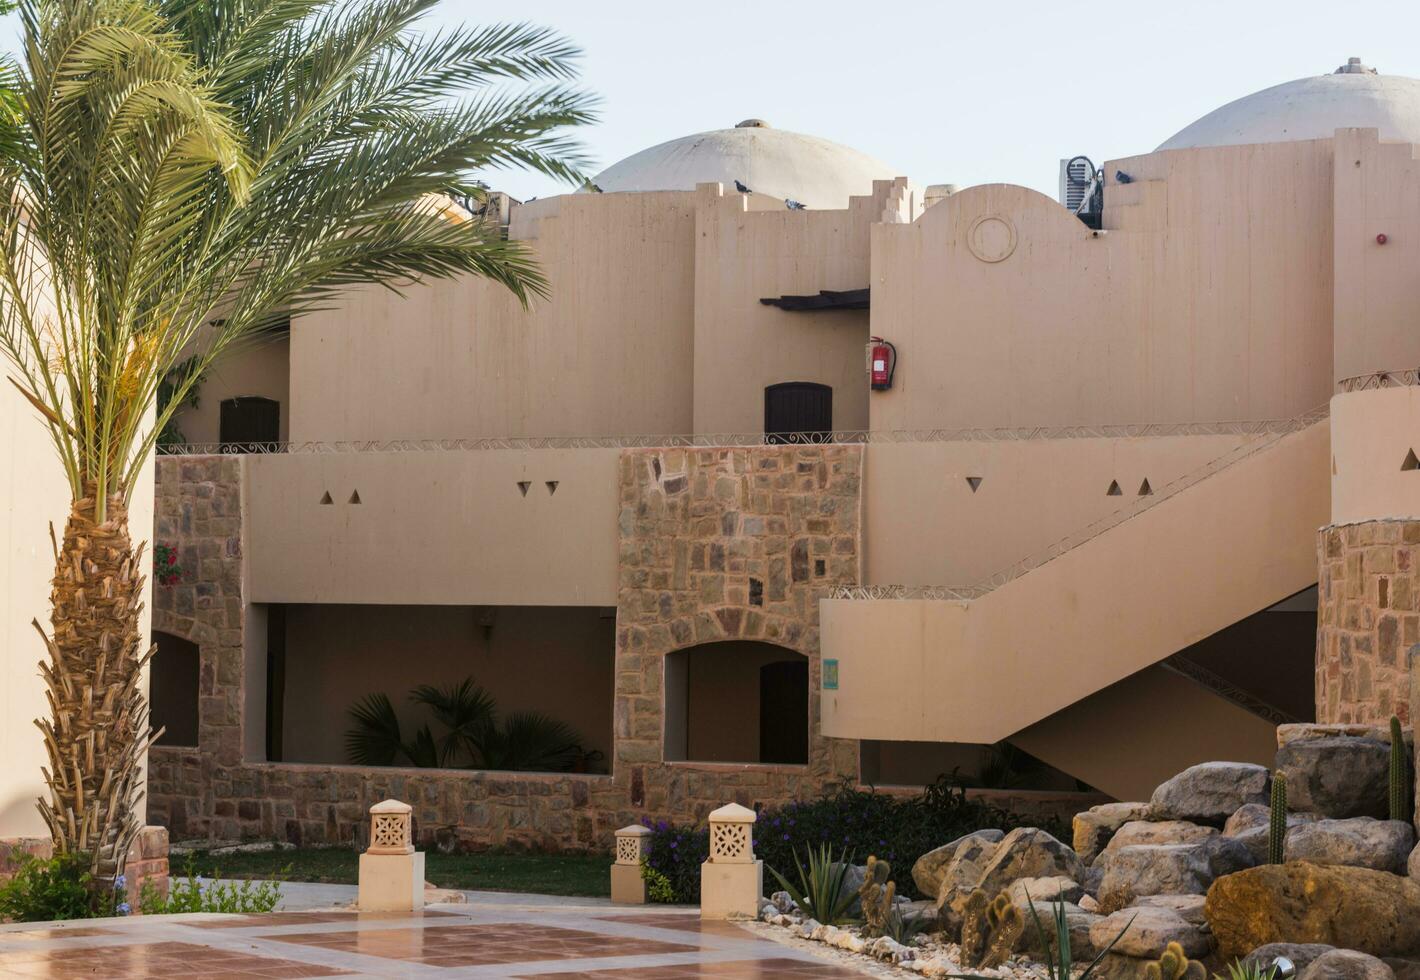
x=739 y=439
x=1226 y=689
x=1269 y=434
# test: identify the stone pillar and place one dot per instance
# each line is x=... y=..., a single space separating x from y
x=391 y=870
x=1413 y=659
x=632 y=845
x=732 y=880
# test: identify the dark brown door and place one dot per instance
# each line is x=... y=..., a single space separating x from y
x=250 y=422
x=784 y=712
x=798 y=411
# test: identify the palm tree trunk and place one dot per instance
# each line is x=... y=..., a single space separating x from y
x=97 y=733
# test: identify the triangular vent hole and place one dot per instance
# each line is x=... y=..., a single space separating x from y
x=1411 y=463
x=1114 y=490
x=974 y=482
x=355 y=497
x=523 y=486
x=552 y=487
x=1144 y=489
x=325 y=498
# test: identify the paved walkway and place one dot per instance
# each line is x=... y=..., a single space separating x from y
x=489 y=937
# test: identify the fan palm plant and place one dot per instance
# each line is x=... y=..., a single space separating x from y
x=176 y=176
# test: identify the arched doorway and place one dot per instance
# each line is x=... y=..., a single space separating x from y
x=737 y=701
x=172 y=689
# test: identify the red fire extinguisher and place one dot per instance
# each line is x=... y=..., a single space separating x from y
x=882 y=363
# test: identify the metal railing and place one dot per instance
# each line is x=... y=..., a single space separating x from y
x=1268 y=436
x=715 y=440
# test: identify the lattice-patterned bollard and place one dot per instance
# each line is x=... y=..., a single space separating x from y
x=632 y=845
x=391 y=870
x=732 y=880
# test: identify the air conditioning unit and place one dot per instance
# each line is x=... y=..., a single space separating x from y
x=1076 y=174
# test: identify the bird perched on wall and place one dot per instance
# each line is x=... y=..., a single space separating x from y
x=739 y=186
x=593 y=188
x=1121 y=177
x=793 y=205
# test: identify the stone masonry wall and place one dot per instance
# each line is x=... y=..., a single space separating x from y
x=1368 y=619
x=715 y=544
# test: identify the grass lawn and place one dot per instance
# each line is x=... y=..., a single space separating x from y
x=508 y=871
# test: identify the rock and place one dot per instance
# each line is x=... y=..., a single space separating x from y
x=1089 y=904
x=1092 y=830
x=1188 y=907
x=1250 y=825
x=928 y=870
x=961 y=876
x=1346 y=964
x=1145 y=931
x=1412 y=864
x=1161 y=832
x=1301 y=954
x=1211 y=792
x=1404 y=969
x=1362 y=842
x=1043 y=891
x=924 y=911
x=1342 y=776
x=1301 y=731
x=1025 y=852
x=1082 y=949
x=1301 y=902
x=1168 y=869
x=783 y=902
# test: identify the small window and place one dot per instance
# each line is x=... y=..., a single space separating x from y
x=798 y=411
x=247 y=424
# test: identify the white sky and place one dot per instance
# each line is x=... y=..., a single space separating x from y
x=953 y=92
x=945 y=92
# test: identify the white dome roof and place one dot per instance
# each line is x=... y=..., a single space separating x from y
x=1312 y=108
x=815 y=172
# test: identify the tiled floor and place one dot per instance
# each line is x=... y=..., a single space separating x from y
x=478 y=940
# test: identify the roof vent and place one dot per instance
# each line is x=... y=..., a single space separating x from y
x=752 y=124
x=1353 y=66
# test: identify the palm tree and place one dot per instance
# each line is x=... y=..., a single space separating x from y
x=176 y=176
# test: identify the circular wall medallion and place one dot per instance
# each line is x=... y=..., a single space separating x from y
x=991 y=238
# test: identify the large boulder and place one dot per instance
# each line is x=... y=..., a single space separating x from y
x=1167 y=869
x=1363 y=842
x=1025 y=852
x=1301 y=954
x=1346 y=964
x=1092 y=830
x=1337 y=777
x=1159 y=832
x=1301 y=902
x=1147 y=931
x=1035 y=940
x=1190 y=907
x=928 y=870
x=1412 y=863
x=1251 y=825
x=1044 y=891
x=1211 y=792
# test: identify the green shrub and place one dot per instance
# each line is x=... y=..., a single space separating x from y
x=862 y=821
x=195 y=893
x=658 y=886
x=822 y=892
x=60 y=887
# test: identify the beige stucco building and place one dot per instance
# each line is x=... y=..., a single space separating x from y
x=1139 y=483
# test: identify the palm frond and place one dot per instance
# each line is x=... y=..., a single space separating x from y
x=375 y=739
x=466 y=711
x=174 y=171
x=528 y=741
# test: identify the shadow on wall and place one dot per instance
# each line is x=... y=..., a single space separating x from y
x=20 y=818
x=737 y=701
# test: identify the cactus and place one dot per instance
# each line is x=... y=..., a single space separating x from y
x=1399 y=773
x=877 y=895
x=1174 y=965
x=990 y=930
x=1277 y=824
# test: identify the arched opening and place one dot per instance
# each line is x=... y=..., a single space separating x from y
x=798 y=411
x=172 y=689
x=737 y=701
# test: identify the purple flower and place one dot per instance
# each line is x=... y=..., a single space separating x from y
x=124 y=908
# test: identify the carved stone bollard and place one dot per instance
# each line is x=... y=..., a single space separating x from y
x=391 y=870
x=632 y=845
x=732 y=880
